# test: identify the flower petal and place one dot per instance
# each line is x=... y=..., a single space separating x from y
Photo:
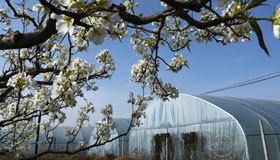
x=56 y=16
x=276 y=31
x=61 y=26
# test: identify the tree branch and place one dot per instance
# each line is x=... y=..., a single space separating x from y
x=142 y=20
x=18 y=40
x=82 y=149
x=21 y=16
x=56 y=10
x=201 y=25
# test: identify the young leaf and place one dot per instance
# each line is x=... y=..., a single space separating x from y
x=254 y=24
x=77 y=5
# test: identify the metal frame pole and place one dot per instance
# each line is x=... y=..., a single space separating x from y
x=263 y=140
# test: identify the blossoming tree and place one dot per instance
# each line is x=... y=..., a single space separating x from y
x=41 y=76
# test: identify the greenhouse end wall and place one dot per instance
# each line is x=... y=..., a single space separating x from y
x=249 y=112
x=188 y=128
x=198 y=141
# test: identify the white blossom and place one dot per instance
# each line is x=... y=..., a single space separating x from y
x=71 y=132
x=110 y=19
x=21 y=80
x=63 y=2
x=276 y=23
x=63 y=23
x=97 y=35
x=105 y=126
x=163 y=4
x=40 y=98
x=37 y=7
x=81 y=144
x=178 y=61
x=276 y=31
x=4 y=16
x=81 y=67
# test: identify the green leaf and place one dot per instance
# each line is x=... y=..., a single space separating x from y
x=254 y=4
x=277 y=11
x=43 y=16
x=254 y=24
x=276 y=15
x=77 y=5
x=30 y=9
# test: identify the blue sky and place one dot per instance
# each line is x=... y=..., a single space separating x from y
x=212 y=66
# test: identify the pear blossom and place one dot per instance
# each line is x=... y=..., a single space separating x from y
x=109 y=64
x=110 y=19
x=104 y=127
x=276 y=23
x=178 y=61
x=163 y=4
x=41 y=97
x=79 y=40
x=4 y=16
x=37 y=7
x=97 y=35
x=63 y=2
x=20 y=80
x=276 y=31
x=81 y=67
x=71 y=132
x=63 y=23
x=81 y=144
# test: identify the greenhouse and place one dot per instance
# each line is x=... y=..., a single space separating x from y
x=117 y=147
x=60 y=139
x=206 y=127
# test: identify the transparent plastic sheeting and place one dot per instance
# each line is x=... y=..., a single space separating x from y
x=248 y=112
x=215 y=127
x=60 y=139
x=116 y=147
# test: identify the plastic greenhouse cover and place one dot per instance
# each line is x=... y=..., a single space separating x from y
x=180 y=112
x=234 y=120
x=86 y=132
x=60 y=134
x=248 y=112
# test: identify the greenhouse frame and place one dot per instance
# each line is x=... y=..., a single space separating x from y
x=207 y=127
x=117 y=147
